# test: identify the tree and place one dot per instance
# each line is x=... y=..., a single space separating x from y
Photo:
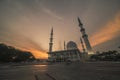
x=10 y=54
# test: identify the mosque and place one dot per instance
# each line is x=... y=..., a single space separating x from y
x=71 y=51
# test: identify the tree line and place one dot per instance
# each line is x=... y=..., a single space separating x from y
x=106 y=56
x=11 y=54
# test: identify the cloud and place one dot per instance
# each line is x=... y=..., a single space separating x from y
x=108 y=32
x=51 y=13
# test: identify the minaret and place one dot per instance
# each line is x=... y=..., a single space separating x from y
x=64 y=46
x=51 y=41
x=82 y=45
x=85 y=37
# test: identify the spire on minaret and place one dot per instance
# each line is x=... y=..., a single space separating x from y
x=52 y=31
x=85 y=37
x=79 y=22
x=51 y=40
x=82 y=44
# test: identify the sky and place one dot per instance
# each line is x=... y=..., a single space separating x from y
x=26 y=24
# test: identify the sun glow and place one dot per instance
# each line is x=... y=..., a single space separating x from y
x=39 y=54
x=110 y=31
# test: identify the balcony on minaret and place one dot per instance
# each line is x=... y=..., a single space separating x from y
x=85 y=35
x=82 y=29
x=51 y=43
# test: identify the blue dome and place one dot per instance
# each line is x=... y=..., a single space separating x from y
x=71 y=45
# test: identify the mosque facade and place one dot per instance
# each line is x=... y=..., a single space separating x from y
x=72 y=53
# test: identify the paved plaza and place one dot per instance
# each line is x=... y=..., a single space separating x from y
x=62 y=71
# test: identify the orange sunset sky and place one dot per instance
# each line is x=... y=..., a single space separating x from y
x=26 y=24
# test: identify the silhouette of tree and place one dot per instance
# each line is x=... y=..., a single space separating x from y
x=10 y=54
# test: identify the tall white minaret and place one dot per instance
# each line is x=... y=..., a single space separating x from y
x=51 y=41
x=85 y=37
x=82 y=45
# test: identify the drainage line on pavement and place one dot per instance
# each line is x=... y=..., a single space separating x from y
x=50 y=76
